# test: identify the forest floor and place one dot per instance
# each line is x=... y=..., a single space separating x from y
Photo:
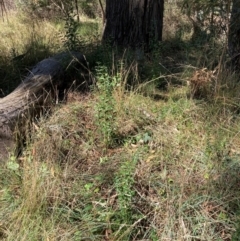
x=152 y=152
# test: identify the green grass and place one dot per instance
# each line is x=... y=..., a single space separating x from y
x=174 y=175
x=151 y=162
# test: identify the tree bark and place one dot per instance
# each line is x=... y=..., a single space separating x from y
x=234 y=34
x=31 y=94
x=135 y=23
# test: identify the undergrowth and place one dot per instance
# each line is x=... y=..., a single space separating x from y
x=173 y=176
x=157 y=161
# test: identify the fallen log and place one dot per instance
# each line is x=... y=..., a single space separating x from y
x=29 y=95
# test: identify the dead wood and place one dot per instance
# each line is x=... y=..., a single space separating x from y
x=29 y=96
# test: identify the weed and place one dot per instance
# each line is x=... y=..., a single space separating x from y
x=105 y=108
x=124 y=187
x=126 y=217
x=70 y=41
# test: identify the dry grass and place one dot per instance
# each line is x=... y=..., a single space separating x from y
x=170 y=172
x=68 y=188
x=31 y=31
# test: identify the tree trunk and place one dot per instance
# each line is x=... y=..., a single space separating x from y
x=135 y=23
x=31 y=94
x=234 y=34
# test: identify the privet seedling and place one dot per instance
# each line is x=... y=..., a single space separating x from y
x=105 y=108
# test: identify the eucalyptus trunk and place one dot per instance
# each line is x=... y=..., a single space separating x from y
x=135 y=23
x=234 y=34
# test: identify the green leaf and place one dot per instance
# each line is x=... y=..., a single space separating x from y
x=12 y=165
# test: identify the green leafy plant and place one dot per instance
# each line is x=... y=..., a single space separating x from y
x=71 y=41
x=105 y=108
x=123 y=183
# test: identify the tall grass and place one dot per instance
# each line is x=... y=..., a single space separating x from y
x=166 y=179
x=24 y=42
x=153 y=162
